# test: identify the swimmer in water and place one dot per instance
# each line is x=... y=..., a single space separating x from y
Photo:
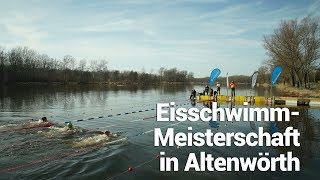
x=107 y=134
x=71 y=129
x=61 y=131
x=70 y=126
x=43 y=120
x=110 y=135
x=96 y=139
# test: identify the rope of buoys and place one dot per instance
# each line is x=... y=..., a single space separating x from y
x=149 y=103
x=87 y=149
x=44 y=139
x=118 y=114
x=87 y=119
x=51 y=124
x=74 y=152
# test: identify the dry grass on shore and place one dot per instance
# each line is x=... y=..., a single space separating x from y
x=287 y=90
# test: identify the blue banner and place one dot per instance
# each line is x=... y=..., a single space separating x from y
x=214 y=75
x=275 y=75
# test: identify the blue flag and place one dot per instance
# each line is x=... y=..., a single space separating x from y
x=275 y=75
x=214 y=75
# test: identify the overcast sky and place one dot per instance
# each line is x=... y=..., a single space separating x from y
x=193 y=35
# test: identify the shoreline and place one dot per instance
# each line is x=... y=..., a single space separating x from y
x=92 y=83
x=296 y=92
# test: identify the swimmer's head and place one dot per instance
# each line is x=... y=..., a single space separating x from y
x=107 y=133
x=69 y=125
x=44 y=119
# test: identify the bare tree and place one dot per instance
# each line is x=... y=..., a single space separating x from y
x=161 y=70
x=22 y=64
x=295 y=46
x=2 y=65
x=82 y=65
x=310 y=47
x=68 y=63
x=103 y=70
x=102 y=65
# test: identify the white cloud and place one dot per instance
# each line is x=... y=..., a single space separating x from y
x=120 y=25
x=193 y=34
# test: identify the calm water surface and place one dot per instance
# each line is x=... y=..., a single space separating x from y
x=53 y=153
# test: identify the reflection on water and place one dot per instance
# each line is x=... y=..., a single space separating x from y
x=308 y=127
x=15 y=98
x=65 y=103
x=214 y=124
x=307 y=123
x=18 y=98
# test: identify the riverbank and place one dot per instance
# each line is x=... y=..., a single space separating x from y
x=119 y=83
x=287 y=90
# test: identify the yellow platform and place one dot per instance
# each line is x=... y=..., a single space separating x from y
x=260 y=100
x=237 y=99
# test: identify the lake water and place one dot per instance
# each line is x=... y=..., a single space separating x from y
x=128 y=113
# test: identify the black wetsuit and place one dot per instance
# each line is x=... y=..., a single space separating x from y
x=193 y=94
x=206 y=89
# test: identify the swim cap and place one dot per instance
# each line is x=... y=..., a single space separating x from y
x=107 y=133
x=69 y=125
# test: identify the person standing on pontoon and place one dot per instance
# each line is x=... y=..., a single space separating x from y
x=218 y=88
x=233 y=89
x=206 y=90
x=193 y=94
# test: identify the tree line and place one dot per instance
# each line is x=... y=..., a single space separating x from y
x=22 y=64
x=294 y=45
x=238 y=79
